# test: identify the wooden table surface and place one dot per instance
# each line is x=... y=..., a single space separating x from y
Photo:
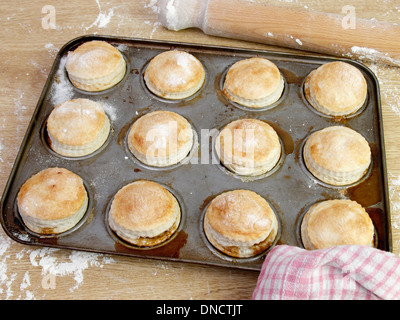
x=28 y=49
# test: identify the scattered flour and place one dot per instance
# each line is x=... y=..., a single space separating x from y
x=61 y=89
x=103 y=18
x=395 y=194
x=390 y=91
x=20 y=110
x=110 y=110
x=51 y=49
x=299 y=42
x=122 y=47
x=52 y=262
x=77 y=263
x=152 y=4
x=394 y=198
x=155 y=25
x=5 y=279
x=120 y=17
x=371 y=55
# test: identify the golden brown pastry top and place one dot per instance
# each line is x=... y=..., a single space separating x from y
x=52 y=194
x=143 y=205
x=339 y=149
x=338 y=86
x=160 y=133
x=253 y=78
x=92 y=60
x=76 y=122
x=247 y=141
x=338 y=222
x=175 y=71
x=240 y=215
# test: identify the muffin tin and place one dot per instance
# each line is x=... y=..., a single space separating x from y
x=289 y=188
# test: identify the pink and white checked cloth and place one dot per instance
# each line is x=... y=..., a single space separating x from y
x=338 y=273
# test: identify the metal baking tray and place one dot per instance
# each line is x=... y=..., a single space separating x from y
x=290 y=189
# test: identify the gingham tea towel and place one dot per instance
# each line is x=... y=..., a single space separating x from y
x=338 y=273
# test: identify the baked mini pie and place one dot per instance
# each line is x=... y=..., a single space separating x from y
x=336 y=89
x=254 y=83
x=52 y=201
x=160 y=138
x=174 y=75
x=95 y=66
x=337 y=155
x=240 y=223
x=248 y=147
x=335 y=223
x=77 y=127
x=144 y=213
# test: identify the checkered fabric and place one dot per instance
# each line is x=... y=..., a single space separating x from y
x=338 y=273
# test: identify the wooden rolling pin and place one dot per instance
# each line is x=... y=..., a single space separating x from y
x=287 y=27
